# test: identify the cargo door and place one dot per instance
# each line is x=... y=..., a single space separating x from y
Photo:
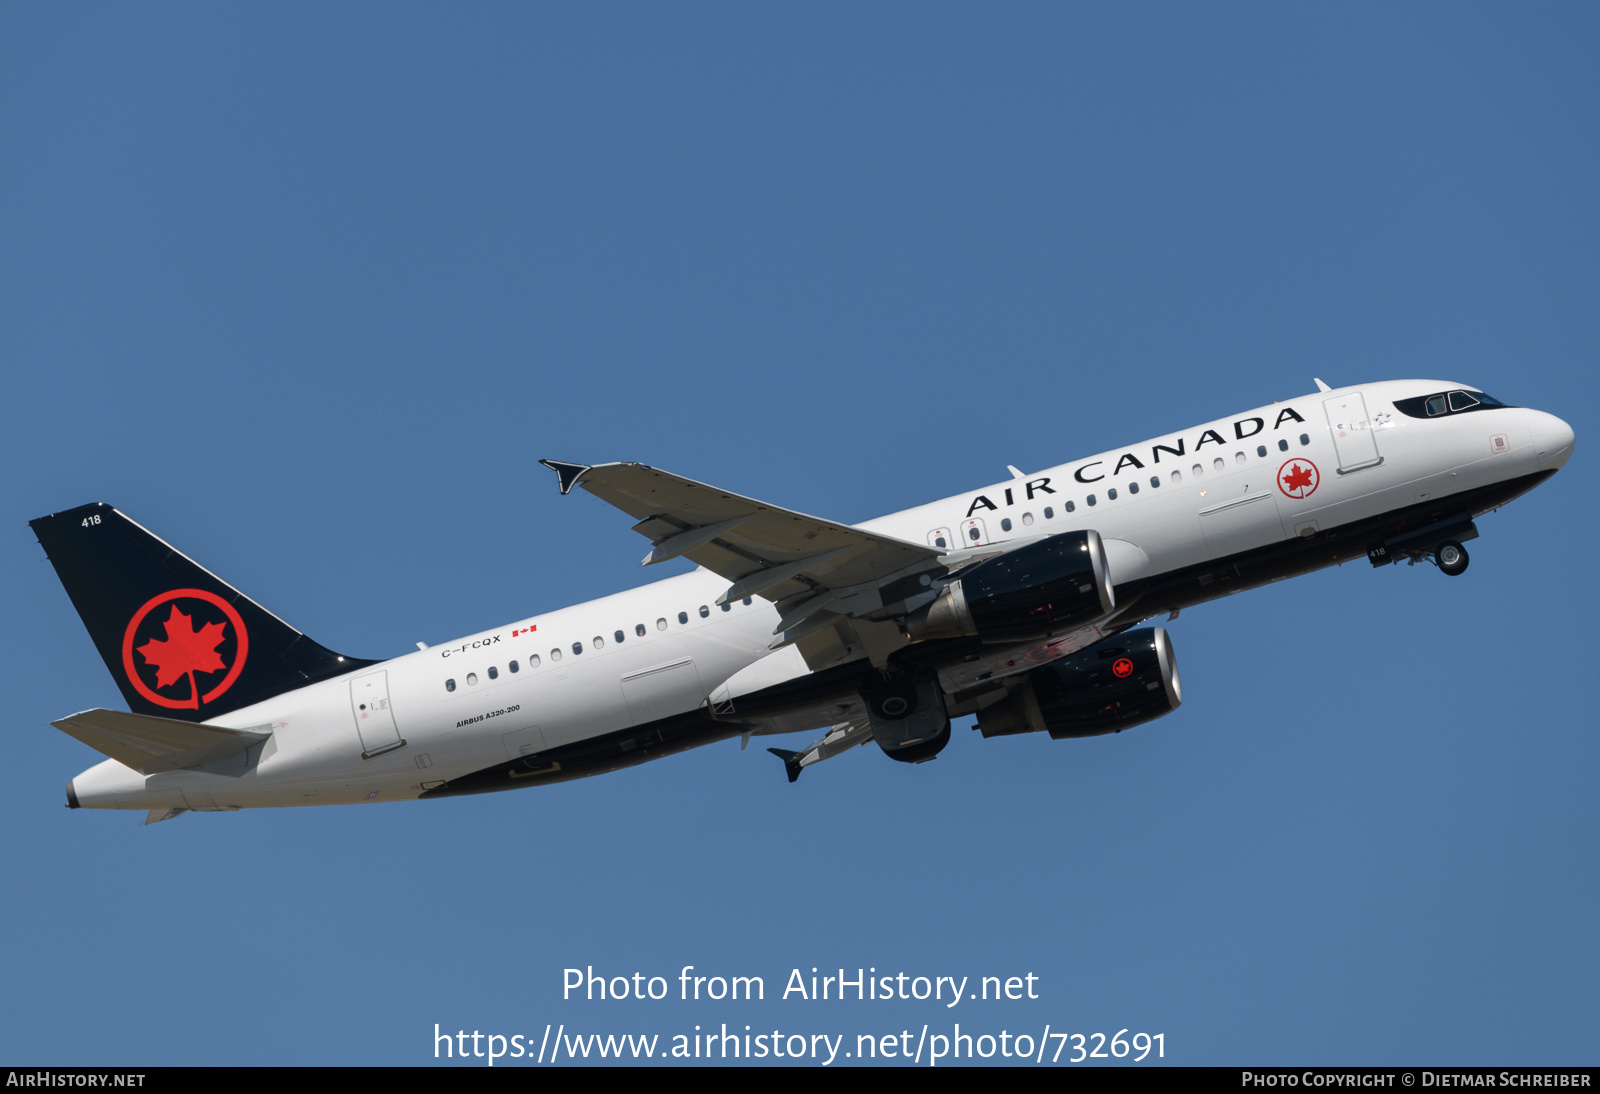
x=1240 y=524
x=662 y=690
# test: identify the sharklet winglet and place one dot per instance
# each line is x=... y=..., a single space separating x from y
x=791 y=762
x=567 y=473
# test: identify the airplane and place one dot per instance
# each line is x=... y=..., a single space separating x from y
x=1023 y=603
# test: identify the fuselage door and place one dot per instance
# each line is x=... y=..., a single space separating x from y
x=662 y=690
x=369 y=703
x=973 y=533
x=942 y=539
x=1353 y=438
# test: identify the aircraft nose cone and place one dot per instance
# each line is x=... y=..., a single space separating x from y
x=1552 y=440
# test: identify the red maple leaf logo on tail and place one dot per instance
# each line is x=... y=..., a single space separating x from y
x=185 y=651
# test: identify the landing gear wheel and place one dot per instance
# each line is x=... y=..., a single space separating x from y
x=893 y=701
x=1452 y=558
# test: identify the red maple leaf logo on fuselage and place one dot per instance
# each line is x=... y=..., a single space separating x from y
x=1298 y=478
x=185 y=651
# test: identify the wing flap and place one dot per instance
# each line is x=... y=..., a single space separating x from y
x=149 y=744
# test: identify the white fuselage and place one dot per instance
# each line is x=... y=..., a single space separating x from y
x=563 y=677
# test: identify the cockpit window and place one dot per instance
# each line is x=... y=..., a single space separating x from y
x=1446 y=402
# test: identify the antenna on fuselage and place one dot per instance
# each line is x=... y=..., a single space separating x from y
x=1321 y=386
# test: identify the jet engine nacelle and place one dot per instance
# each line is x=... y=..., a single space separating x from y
x=1033 y=592
x=1106 y=688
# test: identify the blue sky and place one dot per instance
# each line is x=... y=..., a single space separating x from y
x=308 y=291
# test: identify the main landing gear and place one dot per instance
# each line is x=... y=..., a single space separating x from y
x=892 y=700
x=1452 y=558
x=908 y=718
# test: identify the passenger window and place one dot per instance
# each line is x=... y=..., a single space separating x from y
x=1217 y=464
x=555 y=655
x=619 y=636
x=494 y=673
x=577 y=647
x=1133 y=488
x=449 y=685
x=1436 y=405
x=1155 y=480
x=1460 y=400
x=1305 y=439
x=1197 y=471
x=472 y=678
x=1177 y=476
x=599 y=643
x=1005 y=524
x=727 y=607
x=1111 y=495
x=1091 y=499
x=1261 y=450
x=1049 y=513
x=974 y=533
x=1027 y=519
x=661 y=624
x=514 y=667
x=747 y=601
x=683 y=617
x=1283 y=445
x=1070 y=506
x=639 y=630
x=533 y=660
x=704 y=611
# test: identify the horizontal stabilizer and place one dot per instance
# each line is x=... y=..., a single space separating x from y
x=149 y=744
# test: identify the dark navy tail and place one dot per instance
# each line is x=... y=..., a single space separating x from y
x=179 y=641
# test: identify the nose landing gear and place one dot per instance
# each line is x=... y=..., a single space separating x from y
x=1452 y=558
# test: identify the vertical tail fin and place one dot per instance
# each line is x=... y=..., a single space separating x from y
x=179 y=641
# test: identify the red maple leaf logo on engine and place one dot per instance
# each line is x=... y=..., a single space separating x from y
x=185 y=650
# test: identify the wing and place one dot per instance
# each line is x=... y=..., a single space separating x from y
x=817 y=572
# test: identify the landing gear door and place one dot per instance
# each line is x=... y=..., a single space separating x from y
x=1353 y=437
x=369 y=703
